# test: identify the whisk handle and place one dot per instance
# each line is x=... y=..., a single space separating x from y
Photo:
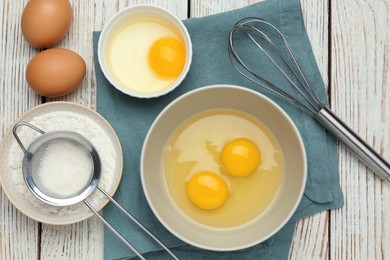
x=346 y=135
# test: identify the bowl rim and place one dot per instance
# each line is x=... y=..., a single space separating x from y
x=103 y=64
x=256 y=241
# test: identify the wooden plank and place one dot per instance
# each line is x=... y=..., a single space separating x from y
x=311 y=238
x=85 y=240
x=361 y=97
x=311 y=234
x=354 y=230
x=18 y=234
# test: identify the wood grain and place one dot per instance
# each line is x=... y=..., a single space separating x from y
x=19 y=235
x=361 y=97
x=311 y=234
x=360 y=94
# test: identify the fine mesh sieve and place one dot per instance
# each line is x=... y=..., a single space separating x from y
x=75 y=176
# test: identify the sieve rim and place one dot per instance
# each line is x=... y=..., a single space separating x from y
x=57 y=135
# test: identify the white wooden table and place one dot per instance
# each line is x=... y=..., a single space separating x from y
x=351 y=41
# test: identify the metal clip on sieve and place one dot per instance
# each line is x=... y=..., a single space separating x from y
x=34 y=151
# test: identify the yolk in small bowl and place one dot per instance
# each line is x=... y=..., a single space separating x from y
x=207 y=190
x=240 y=157
x=167 y=57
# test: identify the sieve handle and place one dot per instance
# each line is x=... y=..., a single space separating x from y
x=17 y=137
x=114 y=230
x=128 y=214
x=346 y=135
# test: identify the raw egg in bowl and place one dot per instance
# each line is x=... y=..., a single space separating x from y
x=145 y=51
x=223 y=167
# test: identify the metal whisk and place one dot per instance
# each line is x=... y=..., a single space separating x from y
x=269 y=40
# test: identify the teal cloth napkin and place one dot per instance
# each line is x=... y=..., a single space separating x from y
x=132 y=117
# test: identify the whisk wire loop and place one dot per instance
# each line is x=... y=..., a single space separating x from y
x=299 y=76
x=260 y=39
x=266 y=84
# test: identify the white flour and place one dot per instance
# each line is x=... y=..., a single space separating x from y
x=71 y=121
x=63 y=169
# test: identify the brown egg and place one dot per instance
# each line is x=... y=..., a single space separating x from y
x=55 y=72
x=45 y=22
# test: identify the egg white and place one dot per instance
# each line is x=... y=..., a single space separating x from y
x=128 y=52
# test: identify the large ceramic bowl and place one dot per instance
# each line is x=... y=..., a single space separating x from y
x=259 y=107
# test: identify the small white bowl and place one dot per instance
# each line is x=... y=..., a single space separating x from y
x=257 y=106
x=133 y=13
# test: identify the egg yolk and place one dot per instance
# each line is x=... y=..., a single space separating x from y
x=167 y=57
x=240 y=157
x=207 y=190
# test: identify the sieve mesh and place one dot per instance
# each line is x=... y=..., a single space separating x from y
x=61 y=168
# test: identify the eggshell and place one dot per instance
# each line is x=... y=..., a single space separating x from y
x=55 y=72
x=45 y=22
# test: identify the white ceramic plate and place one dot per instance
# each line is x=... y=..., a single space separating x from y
x=51 y=117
